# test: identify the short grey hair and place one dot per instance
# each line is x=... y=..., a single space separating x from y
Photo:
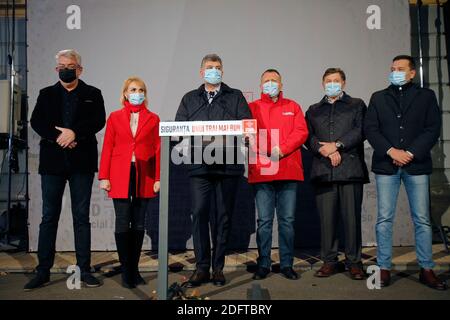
x=211 y=57
x=69 y=53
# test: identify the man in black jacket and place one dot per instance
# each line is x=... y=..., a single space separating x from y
x=67 y=116
x=336 y=139
x=403 y=124
x=213 y=100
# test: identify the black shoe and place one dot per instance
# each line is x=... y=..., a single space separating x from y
x=289 y=273
x=261 y=273
x=38 y=281
x=90 y=281
x=139 y=280
x=126 y=283
x=197 y=278
x=218 y=279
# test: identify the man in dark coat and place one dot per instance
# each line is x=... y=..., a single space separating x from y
x=213 y=100
x=67 y=116
x=338 y=171
x=403 y=123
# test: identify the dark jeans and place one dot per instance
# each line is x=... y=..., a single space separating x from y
x=130 y=212
x=222 y=190
x=334 y=201
x=52 y=193
x=281 y=195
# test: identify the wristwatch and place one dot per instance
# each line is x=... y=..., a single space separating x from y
x=339 y=145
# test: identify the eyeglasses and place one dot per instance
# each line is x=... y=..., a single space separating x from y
x=69 y=66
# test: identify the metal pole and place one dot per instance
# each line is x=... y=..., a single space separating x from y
x=419 y=31
x=11 y=118
x=163 y=220
x=25 y=119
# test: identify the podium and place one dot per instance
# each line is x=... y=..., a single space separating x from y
x=183 y=129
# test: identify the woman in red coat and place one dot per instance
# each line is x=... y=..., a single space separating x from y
x=129 y=172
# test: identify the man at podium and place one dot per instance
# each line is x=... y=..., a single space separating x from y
x=212 y=101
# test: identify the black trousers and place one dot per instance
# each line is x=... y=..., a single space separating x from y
x=130 y=212
x=53 y=186
x=205 y=190
x=334 y=201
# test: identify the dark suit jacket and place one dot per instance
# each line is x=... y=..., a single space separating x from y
x=407 y=119
x=342 y=121
x=88 y=119
x=228 y=104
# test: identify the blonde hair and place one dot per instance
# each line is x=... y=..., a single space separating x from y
x=127 y=83
x=69 y=53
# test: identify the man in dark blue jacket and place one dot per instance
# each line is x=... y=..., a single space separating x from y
x=213 y=100
x=402 y=124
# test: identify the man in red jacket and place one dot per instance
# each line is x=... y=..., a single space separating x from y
x=274 y=169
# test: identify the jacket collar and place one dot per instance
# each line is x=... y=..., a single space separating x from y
x=81 y=86
x=144 y=116
x=345 y=98
x=267 y=99
x=410 y=88
x=405 y=87
x=223 y=88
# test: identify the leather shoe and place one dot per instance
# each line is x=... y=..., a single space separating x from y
x=326 y=270
x=197 y=278
x=385 y=278
x=289 y=273
x=261 y=273
x=218 y=279
x=428 y=277
x=357 y=273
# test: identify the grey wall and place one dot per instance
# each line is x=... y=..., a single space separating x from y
x=163 y=42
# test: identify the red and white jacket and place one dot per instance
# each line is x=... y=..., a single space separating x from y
x=286 y=116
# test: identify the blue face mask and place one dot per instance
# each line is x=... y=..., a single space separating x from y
x=271 y=88
x=213 y=76
x=136 y=98
x=397 y=78
x=333 y=89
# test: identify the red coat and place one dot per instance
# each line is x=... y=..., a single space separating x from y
x=118 y=147
x=287 y=116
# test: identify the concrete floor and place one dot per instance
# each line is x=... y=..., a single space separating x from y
x=405 y=286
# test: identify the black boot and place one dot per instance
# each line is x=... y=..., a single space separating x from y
x=123 y=241
x=136 y=247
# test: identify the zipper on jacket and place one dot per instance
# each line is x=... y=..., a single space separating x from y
x=400 y=99
x=332 y=132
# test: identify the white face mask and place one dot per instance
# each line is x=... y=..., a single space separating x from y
x=397 y=78
x=271 y=88
x=213 y=76
x=333 y=89
x=136 y=99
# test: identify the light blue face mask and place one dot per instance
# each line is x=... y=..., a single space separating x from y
x=213 y=76
x=136 y=98
x=333 y=89
x=271 y=88
x=397 y=78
